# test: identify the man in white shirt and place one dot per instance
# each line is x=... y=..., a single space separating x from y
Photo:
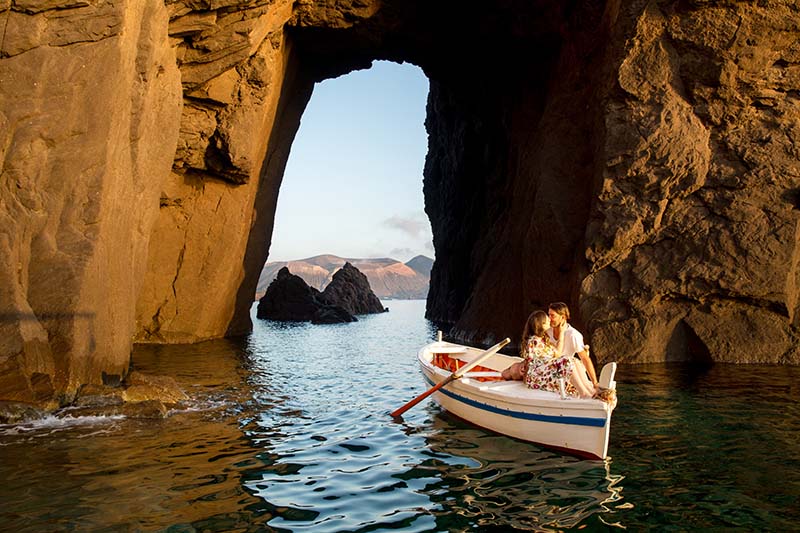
x=568 y=338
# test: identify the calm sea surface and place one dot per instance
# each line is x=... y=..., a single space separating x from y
x=288 y=431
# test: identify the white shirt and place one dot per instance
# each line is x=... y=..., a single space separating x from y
x=573 y=341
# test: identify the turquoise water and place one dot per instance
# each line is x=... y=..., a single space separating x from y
x=288 y=430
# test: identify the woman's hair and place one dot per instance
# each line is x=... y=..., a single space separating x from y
x=560 y=308
x=533 y=326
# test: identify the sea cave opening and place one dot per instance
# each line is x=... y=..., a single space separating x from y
x=352 y=187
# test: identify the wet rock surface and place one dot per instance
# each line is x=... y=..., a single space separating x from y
x=141 y=387
x=139 y=396
x=19 y=412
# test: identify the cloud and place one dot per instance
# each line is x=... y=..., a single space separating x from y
x=410 y=226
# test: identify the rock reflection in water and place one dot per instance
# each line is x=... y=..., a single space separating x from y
x=101 y=473
x=129 y=474
x=493 y=481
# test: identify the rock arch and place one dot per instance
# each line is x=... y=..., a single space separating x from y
x=636 y=159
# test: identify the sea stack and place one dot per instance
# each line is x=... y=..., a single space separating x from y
x=290 y=299
x=350 y=289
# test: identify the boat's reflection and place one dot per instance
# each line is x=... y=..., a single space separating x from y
x=494 y=481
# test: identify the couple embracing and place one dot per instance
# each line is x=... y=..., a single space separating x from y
x=554 y=355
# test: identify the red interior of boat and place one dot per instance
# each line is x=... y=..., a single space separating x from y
x=443 y=360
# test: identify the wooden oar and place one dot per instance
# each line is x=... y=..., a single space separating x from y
x=455 y=375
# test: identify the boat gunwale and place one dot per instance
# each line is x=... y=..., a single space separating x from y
x=566 y=418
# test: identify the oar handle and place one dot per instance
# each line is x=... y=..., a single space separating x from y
x=455 y=375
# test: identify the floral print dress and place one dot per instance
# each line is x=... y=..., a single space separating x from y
x=546 y=366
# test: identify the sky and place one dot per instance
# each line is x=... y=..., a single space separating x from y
x=353 y=182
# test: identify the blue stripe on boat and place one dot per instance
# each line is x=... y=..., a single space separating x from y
x=571 y=420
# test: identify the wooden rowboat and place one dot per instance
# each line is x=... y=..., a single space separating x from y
x=577 y=426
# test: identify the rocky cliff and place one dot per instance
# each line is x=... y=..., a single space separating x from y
x=635 y=158
x=90 y=102
x=650 y=181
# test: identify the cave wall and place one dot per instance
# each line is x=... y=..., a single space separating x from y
x=692 y=243
x=675 y=142
x=517 y=160
x=636 y=159
x=243 y=97
x=89 y=107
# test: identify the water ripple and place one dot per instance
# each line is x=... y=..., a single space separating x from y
x=289 y=431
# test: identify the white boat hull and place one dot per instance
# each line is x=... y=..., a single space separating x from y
x=578 y=426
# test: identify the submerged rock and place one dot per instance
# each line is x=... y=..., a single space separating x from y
x=18 y=412
x=145 y=409
x=133 y=409
x=94 y=396
x=137 y=387
x=144 y=387
x=140 y=395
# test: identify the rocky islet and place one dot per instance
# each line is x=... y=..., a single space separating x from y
x=289 y=298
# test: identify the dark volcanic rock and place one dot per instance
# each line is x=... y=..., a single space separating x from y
x=350 y=289
x=290 y=299
x=332 y=314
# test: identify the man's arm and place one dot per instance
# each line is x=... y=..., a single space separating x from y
x=587 y=362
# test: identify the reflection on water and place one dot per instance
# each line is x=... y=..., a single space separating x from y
x=142 y=475
x=715 y=447
x=288 y=430
x=493 y=481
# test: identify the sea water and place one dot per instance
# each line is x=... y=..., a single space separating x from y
x=288 y=430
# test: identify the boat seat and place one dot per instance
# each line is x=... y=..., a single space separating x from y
x=444 y=347
x=606 y=380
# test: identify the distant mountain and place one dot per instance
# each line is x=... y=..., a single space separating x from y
x=388 y=278
x=421 y=264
